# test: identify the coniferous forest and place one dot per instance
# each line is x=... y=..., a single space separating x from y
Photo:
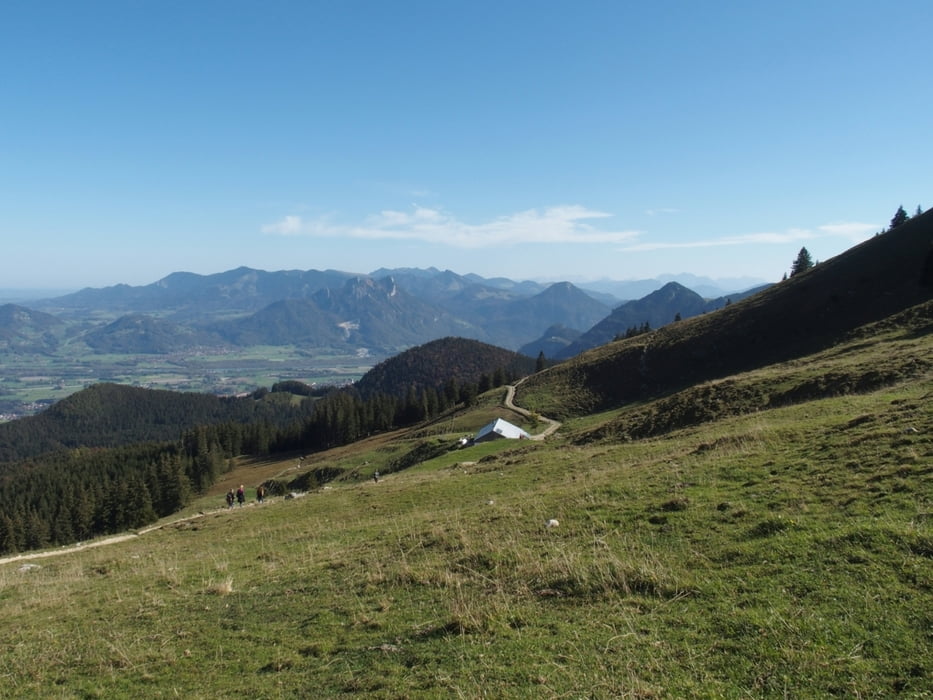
x=112 y=458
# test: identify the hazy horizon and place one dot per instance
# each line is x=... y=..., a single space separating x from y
x=732 y=283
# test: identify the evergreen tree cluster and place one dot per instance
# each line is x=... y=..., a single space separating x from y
x=110 y=415
x=633 y=331
x=293 y=386
x=440 y=363
x=112 y=457
x=69 y=496
x=900 y=218
x=346 y=415
x=98 y=463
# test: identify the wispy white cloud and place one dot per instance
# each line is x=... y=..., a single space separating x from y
x=661 y=210
x=854 y=231
x=744 y=239
x=287 y=226
x=561 y=224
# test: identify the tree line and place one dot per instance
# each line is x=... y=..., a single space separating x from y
x=110 y=415
x=74 y=492
x=804 y=261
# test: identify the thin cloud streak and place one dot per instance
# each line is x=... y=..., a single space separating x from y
x=561 y=224
x=854 y=231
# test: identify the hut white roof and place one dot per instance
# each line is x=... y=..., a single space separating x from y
x=500 y=429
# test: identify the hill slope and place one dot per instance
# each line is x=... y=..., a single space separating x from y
x=107 y=415
x=554 y=340
x=786 y=552
x=141 y=334
x=440 y=362
x=801 y=315
x=379 y=312
x=657 y=309
x=748 y=516
x=25 y=330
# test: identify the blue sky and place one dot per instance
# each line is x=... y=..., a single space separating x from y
x=529 y=139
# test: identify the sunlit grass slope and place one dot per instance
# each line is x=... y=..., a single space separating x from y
x=751 y=548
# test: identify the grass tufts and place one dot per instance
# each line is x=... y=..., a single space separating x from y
x=742 y=547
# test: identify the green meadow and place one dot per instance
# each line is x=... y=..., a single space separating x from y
x=750 y=550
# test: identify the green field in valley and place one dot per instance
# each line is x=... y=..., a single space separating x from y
x=32 y=381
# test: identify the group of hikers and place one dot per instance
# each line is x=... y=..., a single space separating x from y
x=239 y=496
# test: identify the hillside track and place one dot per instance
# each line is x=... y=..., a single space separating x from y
x=27 y=556
x=551 y=425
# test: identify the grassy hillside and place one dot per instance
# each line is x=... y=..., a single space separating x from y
x=756 y=547
x=805 y=314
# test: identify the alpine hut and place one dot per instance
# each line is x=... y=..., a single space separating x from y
x=500 y=429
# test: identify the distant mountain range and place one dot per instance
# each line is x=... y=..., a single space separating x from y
x=385 y=312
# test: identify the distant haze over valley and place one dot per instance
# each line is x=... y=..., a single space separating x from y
x=621 y=289
x=237 y=330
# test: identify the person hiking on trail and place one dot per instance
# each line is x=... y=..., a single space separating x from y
x=241 y=495
x=230 y=498
x=260 y=492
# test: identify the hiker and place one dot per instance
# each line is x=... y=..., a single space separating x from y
x=241 y=495
x=260 y=492
x=230 y=498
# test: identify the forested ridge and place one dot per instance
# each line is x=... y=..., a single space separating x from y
x=112 y=458
x=110 y=415
x=444 y=363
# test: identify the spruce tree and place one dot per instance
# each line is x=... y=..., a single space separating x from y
x=7 y=535
x=900 y=216
x=803 y=262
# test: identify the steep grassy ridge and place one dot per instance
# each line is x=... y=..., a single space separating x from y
x=807 y=313
x=877 y=355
